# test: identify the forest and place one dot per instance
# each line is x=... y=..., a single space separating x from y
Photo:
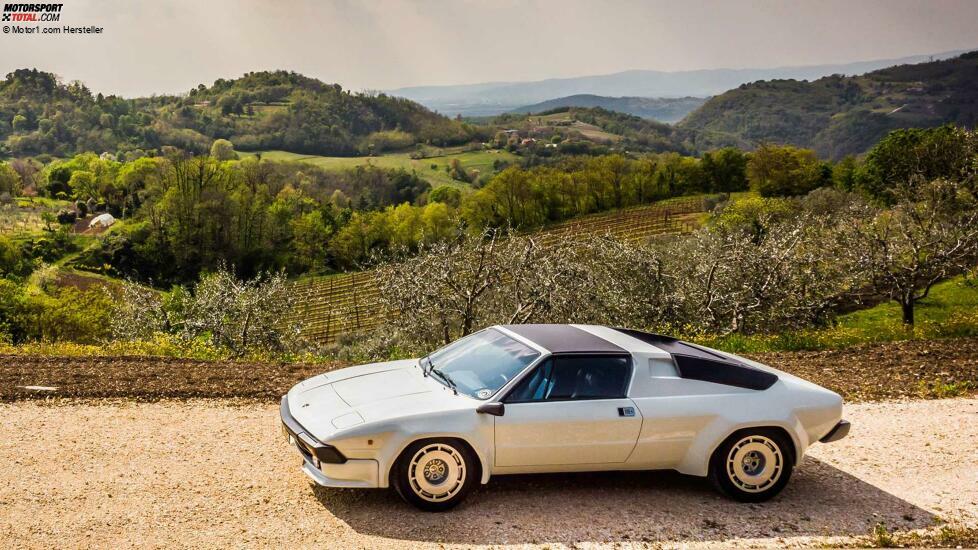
x=838 y=115
x=39 y=115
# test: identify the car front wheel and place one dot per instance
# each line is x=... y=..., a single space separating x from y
x=436 y=474
x=752 y=465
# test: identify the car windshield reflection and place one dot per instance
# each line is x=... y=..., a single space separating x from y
x=481 y=363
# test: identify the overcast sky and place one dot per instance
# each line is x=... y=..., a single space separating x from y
x=171 y=45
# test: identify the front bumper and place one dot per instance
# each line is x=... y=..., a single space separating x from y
x=840 y=430
x=325 y=464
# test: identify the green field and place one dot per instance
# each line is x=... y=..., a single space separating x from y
x=26 y=215
x=950 y=311
x=432 y=169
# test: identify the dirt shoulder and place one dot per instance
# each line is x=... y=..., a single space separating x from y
x=893 y=370
x=146 y=378
x=923 y=368
x=214 y=472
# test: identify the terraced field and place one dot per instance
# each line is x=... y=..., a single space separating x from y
x=347 y=303
x=338 y=304
x=680 y=215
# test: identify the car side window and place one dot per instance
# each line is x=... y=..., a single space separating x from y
x=574 y=377
x=534 y=387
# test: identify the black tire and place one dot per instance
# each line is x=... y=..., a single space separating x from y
x=773 y=459
x=447 y=468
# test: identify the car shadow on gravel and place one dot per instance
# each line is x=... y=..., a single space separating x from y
x=636 y=507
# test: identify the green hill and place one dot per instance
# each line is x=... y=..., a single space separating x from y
x=662 y=109
x=261 y=110
x=839 y=115
x=595 y=124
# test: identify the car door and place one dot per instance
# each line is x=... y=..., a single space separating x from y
x=572 y=409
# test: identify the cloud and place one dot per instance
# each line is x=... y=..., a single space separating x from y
x=172 y=45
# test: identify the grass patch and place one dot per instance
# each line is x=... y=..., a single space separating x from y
x=432 y=168
x=951 y=311
x=944 y=390
x=945 y=536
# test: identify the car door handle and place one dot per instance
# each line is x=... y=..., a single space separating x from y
x=626 y=411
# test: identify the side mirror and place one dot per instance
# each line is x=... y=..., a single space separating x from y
x=495 y=409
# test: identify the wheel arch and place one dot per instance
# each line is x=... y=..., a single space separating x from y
x=700 y=454
x=482 y=460
x=794 y=450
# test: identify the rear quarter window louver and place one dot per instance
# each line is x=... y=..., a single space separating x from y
x=696 y=363
x=723 y=372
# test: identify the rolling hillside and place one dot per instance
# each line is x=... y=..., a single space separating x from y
x=662 y=109
x=433 y=168
x=284 y=110
x=839 y=115
x=597 y=125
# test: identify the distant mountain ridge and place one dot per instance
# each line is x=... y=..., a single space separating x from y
x=491 y=98
x=662 y=109
x=838 y=115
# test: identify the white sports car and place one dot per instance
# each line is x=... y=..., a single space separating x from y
x=521 y=399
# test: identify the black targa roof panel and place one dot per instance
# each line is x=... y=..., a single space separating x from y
x=564 y=339
x=696 y=363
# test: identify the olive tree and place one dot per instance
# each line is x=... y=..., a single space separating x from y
x=437 y=294
x=731 y=278
x=454 y=287
x=929 y=234
x=241 y=316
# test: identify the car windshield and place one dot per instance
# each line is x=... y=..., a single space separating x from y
x=481 y=363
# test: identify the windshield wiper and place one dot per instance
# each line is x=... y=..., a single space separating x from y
x=444 y=376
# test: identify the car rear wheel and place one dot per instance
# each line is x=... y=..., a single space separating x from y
x=752 y=465
x=435 y=474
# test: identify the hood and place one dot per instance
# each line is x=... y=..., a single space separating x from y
x=334 y=401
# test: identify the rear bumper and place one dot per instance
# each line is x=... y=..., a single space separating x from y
x=840 y=430
x=325 y=464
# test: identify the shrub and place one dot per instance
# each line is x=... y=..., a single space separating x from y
x=222 y=149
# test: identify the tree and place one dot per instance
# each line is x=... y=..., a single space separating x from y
x=846 y=173
x=440 y=293
x=20 y=123
x=30 y=173
x=457 y=172
x=783 y=170
x=909 y=155
x=310 y=234
x=242 y=316
x=447 y=194
x=83 y=184
x=222 y=149
x=729 y=281
x=10 y=181
x=931 y=233
x=726 y=170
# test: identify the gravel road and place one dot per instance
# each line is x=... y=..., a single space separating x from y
x=217 y=472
